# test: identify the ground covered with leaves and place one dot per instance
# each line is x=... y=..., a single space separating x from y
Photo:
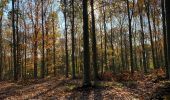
x=120 y=87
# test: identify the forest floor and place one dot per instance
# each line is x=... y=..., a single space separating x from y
x=52 y=88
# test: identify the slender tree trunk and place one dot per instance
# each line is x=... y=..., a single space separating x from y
x=72 y=38
x=11 y=56
x=54 y=47
x=147 y=4
x=94 y=48
x=168 y=32
x=66 y=41
x=14 y=43
x=142 y=38
x=126 y=53
x=18 y=42
x=43 y=42
x=35 y=54
x=79 y=55
x=86 y=71
x=155 y=37
x=101 y=47
x=121 y=47
x=4 y=63
x=1 y=48
x=165 y=36
x=135 y=48
x=47 y=58
x=36 y=42
x=105 y=36
x=25 y=47
x=25 y=53
x=112 y=45
x=130 y=38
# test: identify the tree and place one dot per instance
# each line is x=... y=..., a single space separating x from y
x=155 y=33
x=66 y=39
x=3 y=4
x=105 y=34
x=140 y=7
x=167 y=7
x=164 y=35
x=25 y=47
x=14 y=43
x=94 y=48
x=86 y=71
x=0 y=47
x=112 y=44
x=130 y=36
x=72 y=38
x=43 y=43
x=101 y=46
x=18 y=40
x=147 y=8
x=35 y=25
x=54 y=42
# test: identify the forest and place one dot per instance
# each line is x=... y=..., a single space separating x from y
x=84 y=49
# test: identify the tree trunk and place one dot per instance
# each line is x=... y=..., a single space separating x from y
x=1 y=48
x=164 y=36
x=130 y=38
x=155 y=37
x=101 y=47
x=54 y=47
x=126 y=53
x=43 y=42
x=14 y=43
x=121 y=47
x=25 y=50
x=18 y=42
x=94 y=48
x=36 y=43
x=168 y=33
x=47 y=58
x=147 y=4
x=112 y=45
x=142 y=38
x=135 y=52
x=86 y=71
x=72 y=38
x=105 y=36
x=66 y=44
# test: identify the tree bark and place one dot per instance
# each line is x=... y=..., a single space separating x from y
x=94 y=48
x=86 y=71
x=130 y=38
x=72 y=38
x=43 y=42
x=164 y=36
x=66 y=35
x=112 y=45
x=36 y=42
x=105 y=36
x=14 y=43
x=142 y=38
x=147 y=4
x=1 y=48
x=167 y=3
